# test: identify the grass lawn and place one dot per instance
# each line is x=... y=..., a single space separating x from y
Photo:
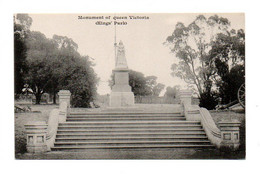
x=41 y=113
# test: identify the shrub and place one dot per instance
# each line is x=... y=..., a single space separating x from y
x=208 y=100
x=20 y=143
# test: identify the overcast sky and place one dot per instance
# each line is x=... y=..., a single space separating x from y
x=143 y=40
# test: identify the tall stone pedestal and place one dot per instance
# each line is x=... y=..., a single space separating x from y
x=121 y=99
x=121 y=95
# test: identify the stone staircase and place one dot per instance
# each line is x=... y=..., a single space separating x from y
x=106 y=130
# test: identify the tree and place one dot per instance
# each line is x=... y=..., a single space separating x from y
x=153 y=86
x=25 y=20
x=138 y=82
x=66 y=49
x=48 y=65
x=228 y=53
x=55 y=64
x=82 y=81
x=172 y=92
x=22 y=23
x=157 y=89
x=191 y=46
x=40 y=54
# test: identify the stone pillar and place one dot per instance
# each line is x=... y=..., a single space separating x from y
x=185 y=96
x=229 y=134
x=64 y=95
x=36 y=136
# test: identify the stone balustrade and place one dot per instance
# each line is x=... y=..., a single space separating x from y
x=41 y=136
x=227 y=137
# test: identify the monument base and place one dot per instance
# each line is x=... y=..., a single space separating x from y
x=121 y=99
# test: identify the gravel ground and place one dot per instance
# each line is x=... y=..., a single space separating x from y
x=165 y=153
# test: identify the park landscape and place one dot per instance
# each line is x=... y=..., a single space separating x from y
x=208 y=70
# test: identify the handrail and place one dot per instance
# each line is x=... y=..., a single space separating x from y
x=53 y=123
x=212 y=131
x=56 y=116
x=63 y=111
x=194 y=112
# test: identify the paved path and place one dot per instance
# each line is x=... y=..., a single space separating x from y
x=177 y=153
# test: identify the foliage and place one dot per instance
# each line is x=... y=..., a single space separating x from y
x=39 y=55
x=21 y=26
x=172 y=92
x=141 y=85
x=48 y=65
x=228 y=52
x=154 y=87
x=208 y=52
x=55 y=64
x=81 y=81
x=208 y=100
x=64 y=56
x=20 y=142
x=157 y=89
x=191 y=45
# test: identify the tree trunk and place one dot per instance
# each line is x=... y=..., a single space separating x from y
x=38 y=97
x=54 y=97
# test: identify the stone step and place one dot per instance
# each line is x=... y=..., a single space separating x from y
x=124 y=113
x=186 y=129
x=85 y=133
x=116 y=143
x=133 y=122
x=133 y=146
x=128 y=128
x=123 y=116
x=129 y=123
x=126 y=119
x=183 y=128
x=113 y=139
x=138 y=136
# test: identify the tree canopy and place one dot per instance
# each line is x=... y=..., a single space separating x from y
x=172 y=92
x=204 y=49
x=21 y=27
x=191 y=45
x=228 y=53
x=55 y=64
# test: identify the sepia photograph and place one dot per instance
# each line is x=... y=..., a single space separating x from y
x=129 y=86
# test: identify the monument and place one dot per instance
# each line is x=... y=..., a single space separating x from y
x=121 y=94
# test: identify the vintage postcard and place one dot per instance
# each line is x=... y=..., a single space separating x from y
x=129 y=86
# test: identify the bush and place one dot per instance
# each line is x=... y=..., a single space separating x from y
x=208 y=100
x=20 y=143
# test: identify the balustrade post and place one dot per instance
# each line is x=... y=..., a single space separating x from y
x=64 y=95
x=185 y=96
x=230 y=134
x=36 y=136
x=64 y=104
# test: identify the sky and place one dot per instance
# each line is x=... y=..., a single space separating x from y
x=143 y=40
